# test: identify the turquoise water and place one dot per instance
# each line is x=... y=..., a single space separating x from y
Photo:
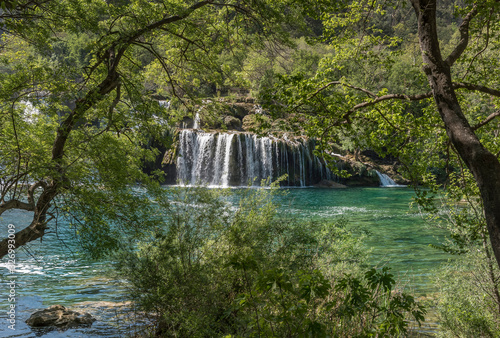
x=398 y=235
x=54 y=272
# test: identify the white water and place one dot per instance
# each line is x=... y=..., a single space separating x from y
x=164 y=103
x=386 y=181
x=240 y=159
x=197 y=121
x=31 y=113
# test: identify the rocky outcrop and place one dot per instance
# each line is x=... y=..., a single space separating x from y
x=254 y=122
x=363 y=171
x=59 y=316
x=222 y=113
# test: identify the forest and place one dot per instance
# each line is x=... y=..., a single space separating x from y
x=163 y=139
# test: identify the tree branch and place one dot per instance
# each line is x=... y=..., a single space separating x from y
x=476 y=87
x=487 y=120
x=163 y=64
x=376 y=100
x=16 y=204
x=167 y=19
x=34 y=231
x=482 y=50
x=329 y=84
x=113 y=105
x=31 y=191
x=189 y=41
x=456 y=85
x=404 y=97
x=464 y=37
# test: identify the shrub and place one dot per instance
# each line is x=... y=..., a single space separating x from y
x=469 y=302
x=218 y=270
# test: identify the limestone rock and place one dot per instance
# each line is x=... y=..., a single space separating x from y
x=60 y=316
x=232 y=123
x=187 y=122
x=241 y=109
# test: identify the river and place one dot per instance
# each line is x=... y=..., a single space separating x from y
x=54 y=271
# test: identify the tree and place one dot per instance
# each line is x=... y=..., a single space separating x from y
x=348 y=92
x=84 y=150
x=481 y=162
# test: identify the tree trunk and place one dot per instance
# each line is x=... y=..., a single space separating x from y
x=482 y=163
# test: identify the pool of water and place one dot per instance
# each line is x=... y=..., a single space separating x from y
x=397 y=234
x=54 y=271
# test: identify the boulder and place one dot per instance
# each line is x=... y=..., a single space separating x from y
x=60 y=316
x=232 y=123
x=241 y=109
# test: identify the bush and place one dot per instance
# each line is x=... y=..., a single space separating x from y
x=218 y=271
x=469 y=302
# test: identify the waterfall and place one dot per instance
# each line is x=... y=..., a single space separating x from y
x=386 y=181
x=197 y=121
x=239 y=159
x=224 y=180
x=164 y=103
x=31 y=113
x=250 y=160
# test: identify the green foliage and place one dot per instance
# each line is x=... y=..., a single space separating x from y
x=213 y=270
x=469 y=296
x=468 y=305
x=94 y=71
x=374 y=53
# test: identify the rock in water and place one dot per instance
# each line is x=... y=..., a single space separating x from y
x=60 y=316
x=330 y=184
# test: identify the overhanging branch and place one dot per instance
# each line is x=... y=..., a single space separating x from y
x=329 y=84
x=377 y=99
x=486 y=120
x=464 y=37
x=16 y=204
x=477 y=88
x=34 y=231
x=387 y=97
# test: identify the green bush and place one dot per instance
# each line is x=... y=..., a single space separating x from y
x=224 y=271
x=469 y=302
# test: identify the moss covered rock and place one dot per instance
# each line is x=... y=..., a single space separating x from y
x=232 y=123
x=255 y=122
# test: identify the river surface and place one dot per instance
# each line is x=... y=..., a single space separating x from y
x=56 y=272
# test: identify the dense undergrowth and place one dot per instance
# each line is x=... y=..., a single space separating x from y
x=218 y=271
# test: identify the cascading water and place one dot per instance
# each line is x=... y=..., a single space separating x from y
x=197 y=121
x=386 y=181
x=240 y=159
